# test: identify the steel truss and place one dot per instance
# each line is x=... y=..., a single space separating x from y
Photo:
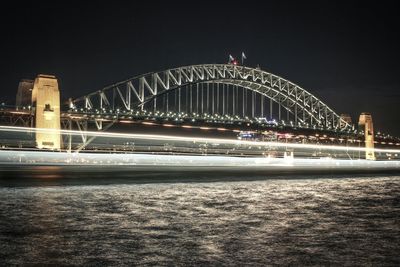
x=133 y=94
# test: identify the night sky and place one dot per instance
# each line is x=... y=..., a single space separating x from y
x=347 y=54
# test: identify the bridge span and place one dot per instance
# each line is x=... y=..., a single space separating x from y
x=214 y=100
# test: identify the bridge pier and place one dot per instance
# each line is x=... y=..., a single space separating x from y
x=365 y=124
x=46 y=101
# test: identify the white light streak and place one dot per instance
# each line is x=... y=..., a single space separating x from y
x=182 y=161
x=192 y=139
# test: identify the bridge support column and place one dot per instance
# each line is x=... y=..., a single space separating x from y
x=46 y=100
x=365 y=124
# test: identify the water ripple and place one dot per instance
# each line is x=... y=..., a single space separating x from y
x=347 y=221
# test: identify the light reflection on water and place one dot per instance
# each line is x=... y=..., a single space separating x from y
x=352 y=221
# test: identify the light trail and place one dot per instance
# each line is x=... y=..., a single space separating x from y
x=192 y=139
x=203 y=163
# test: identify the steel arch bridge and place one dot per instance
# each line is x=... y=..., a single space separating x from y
x=224 y=90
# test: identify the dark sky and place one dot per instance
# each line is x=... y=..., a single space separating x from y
x=346 y=53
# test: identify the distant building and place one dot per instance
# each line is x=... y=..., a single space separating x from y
x=24 y=93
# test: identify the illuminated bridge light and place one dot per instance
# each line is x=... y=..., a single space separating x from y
x=148 y=123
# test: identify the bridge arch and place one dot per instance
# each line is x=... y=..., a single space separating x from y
x=138 y=92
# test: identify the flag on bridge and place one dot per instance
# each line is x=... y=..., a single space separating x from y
x=231 y=59
x=243 y=57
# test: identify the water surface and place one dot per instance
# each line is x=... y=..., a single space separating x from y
x=297 y=220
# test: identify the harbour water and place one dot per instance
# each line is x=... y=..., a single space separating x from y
x=51 y=217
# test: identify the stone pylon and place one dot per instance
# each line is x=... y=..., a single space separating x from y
x=46 y=101
x=365 y=124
